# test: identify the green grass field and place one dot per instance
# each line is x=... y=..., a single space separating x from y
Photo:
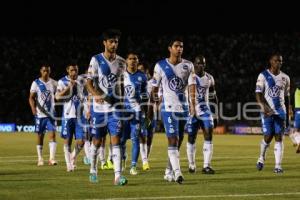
x=234 y=161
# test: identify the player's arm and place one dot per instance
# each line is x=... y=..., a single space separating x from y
x=32 y=103
x=64 y=93
x=154 y=98
x=192 y=97
x=192 y=91
x=287 y=102
x=144 y=97
x=214 y=99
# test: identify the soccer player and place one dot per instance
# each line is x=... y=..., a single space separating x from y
x=135 y=105
x=272 y=94
x=106 y=69
x=70 y=92
x=41 y=101
x=205 y=91
x=295 y=136
x=174 y=74
x=147 y=131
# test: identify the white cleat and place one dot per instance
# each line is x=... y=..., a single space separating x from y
x=40 y=162
x=169 y=177
x=70 y=168
x=52 y=162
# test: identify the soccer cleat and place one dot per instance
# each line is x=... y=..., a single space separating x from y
x=70 y=168
x=278 y=171
x=259 y=165
x=146 y=166
x=52 y=162
x=179 y=178
x=93 y=178
x=208 y=170
x=133 y=171
x=121 y=181
x=40 y=162
x=169 y=177
x=86 y=160
x=192 y=169
x=110 y=164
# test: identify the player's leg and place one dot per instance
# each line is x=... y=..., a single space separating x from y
x=135 y=127
x=207 y=127
x=143 y=148
x=51 y=128
x=171 y=123
x=99 y=130
x=297 y=131
x=109 y=160
x=68 y=129
x=150 y=133
x=125 y=135
x=268 y=132
x=79 y=137
x=40 y=127
x=192 y=129
x=114 y=128
x=101 y=154
x=87 y=143
x=278 y=146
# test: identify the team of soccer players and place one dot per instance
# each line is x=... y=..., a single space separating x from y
x=118 y=97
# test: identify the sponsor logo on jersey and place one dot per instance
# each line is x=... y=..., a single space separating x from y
x=274 y=91
x=176 y=84
x=201 y=92
x=129 y=91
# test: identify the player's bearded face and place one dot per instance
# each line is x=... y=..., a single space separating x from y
x=199 y=65
x=176 y=49
x=111 y=45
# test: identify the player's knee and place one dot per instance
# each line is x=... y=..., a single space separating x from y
x=192 y=139
x=278 y=138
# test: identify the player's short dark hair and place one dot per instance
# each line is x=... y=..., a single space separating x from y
x=275 y=53
x=200 y=57
x=71 y=64
x=175 y=39
x=111 y=33
x=132 y=53
x=45 y=65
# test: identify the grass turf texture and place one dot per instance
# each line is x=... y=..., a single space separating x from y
x=234 y=160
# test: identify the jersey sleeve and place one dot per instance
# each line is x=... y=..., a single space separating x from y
x=93 y=69
x=287 y=87
x=260 y=84
x=34 y=87
x=157 y=76
x=192 y=76
x=60 y=86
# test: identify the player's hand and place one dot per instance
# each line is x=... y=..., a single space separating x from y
x=192 y=111
x=216 y=122
x=267 y=111
x=34 y=112
x=88 y=115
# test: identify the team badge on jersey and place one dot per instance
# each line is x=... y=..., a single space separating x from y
x=201 y=91
x=109 y=81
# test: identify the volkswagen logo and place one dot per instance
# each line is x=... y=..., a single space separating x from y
x=176 y=84
x=274 y=91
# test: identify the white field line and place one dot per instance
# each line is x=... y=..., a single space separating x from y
x=205 y=196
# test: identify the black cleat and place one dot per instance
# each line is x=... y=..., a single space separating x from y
x=192 y=170
x=208 y=170
x=179 y=179
x=278 y=171
x=259 y=166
